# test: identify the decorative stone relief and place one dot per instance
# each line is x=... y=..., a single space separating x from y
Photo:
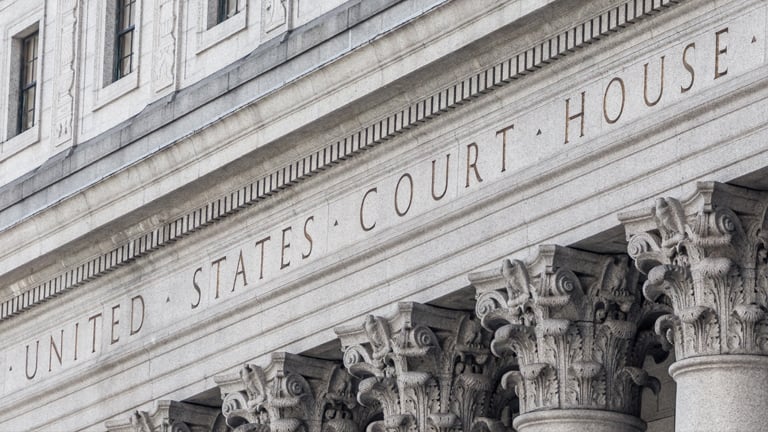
x=276 y=16
x=164 y=52
x=293 y=393
x=429 y=369
x=64 y=95
x=576 y=324
x=708 y=259
x=170 y=416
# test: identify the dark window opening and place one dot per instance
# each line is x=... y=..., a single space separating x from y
x=226 y=9
x=124 y=35
x=28 y=83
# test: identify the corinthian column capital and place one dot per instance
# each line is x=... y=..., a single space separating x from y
x=293 y=393
x=706 y=257
x=427 y=369
x=575 y=321
x=168 y=416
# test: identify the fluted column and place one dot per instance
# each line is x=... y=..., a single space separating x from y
x=707 y=257
x=428 y=369
x=574 y=320
x=170 y=416
x=293 y=394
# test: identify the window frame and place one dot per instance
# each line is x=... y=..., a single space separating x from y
x=224 y=8
x=211 y=31
x=106 y=89
x=25 y=85
x=12 y=142
x=120 y=33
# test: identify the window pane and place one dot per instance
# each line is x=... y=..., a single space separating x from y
x=231 y=7
x=226 y=9
x=30 y=106
x=123 y=60
x=27 y=83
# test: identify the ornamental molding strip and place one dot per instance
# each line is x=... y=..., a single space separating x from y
x=428 y=369
x=576 y=324
x=708 y=258
x=524 y=63
x=293 y=393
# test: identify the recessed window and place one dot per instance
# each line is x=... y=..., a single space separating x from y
x=226 y=9
x=124 y=36
x=221 y=10
x=23 y=82
x=28 y=82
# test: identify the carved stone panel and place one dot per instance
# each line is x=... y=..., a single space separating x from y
x=66 y=67
x=577 y=326
x=708 y=258
x=428 y=369
x=164 y=48
x=276 y=17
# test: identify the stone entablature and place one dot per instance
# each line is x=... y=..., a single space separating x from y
x=708 y=258
x=451 y=97
x=577 y=325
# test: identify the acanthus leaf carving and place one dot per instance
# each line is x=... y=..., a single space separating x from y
x=167 y=416
x=294 y=393
x=707 y=258
x=572 y=325
x=428 y=368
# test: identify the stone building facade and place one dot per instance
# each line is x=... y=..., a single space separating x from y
x=383 y=215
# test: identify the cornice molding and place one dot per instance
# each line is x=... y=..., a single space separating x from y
x=528 y=61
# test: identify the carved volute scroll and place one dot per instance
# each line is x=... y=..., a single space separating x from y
x=576 y=324
x=708 y=258
x=293 y=393
x=429 y=369
x=169 y=416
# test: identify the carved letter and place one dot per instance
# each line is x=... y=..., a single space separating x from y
x=197 y=287
x=445 y=188
x=410 y=195
x=362 y=203
x=26 y=366
x=55 y=349
x=718 y=51
x=605 y=97
x=473 y=164
x=645 y=84
x=569 y=117
x=93 y=337
x=240 y=270
x=688 y=67
x=308 y=237
x=217 y=263
x=115 y=322
x=285 y=246
x=260 y=244
x=503 y=133
x=140 y=299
